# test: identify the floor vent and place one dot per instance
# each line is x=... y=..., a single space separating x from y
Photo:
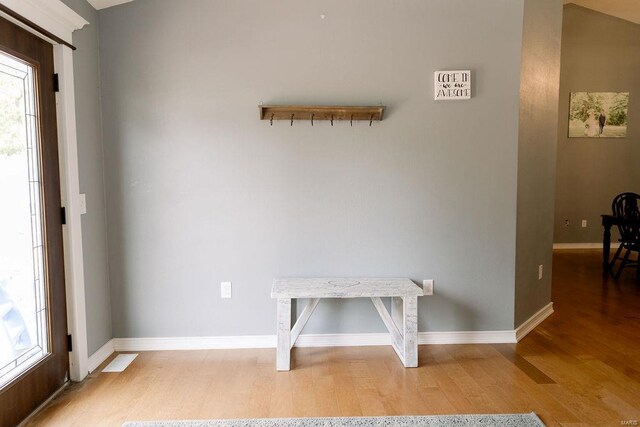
x=120 y=363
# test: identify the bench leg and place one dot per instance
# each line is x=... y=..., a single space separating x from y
x=397 y=312
x=410 y=332
x=303 y=319
x=283 y=351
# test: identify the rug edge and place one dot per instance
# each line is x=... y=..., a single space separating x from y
x=152 y=423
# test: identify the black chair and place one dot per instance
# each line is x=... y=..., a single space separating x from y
x=625 y=206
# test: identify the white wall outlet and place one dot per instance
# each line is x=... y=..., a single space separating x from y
x=584 y=223
x=540 y=272
x=225 y=290
x=427 y=287
x=83 y=204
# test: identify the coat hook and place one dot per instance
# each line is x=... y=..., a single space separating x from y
x=352 y=120
x=312 y=119
x=371 y=120
x=292 y=120
x=271 y=120
x=332 y=120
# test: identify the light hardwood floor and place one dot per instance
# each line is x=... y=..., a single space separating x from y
x=580 y=367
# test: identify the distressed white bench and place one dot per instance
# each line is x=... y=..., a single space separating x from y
x=402 y=323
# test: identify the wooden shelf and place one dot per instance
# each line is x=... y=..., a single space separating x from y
x=320 y=112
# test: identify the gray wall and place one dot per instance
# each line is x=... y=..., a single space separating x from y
x=90 y=156
x=537 y=142
x=600 y=53
x=200 y=191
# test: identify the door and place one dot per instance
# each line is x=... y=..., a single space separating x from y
x=34 y=358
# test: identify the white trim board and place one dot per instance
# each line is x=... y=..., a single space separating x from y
x=309 y=340
x=530 y=324
x=315 y=340
x=194 y=343
x=467 y=337
x=453 y=337
x=103 y=353
x=570 y=246
x=70 y=198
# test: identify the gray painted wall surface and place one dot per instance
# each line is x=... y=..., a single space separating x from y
x=537 y=142
x=600 y=53
x=86 y=72
x=200 y=191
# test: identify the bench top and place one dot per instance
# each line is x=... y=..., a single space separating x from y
x=344 y=287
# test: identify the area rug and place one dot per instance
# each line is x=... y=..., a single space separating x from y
x=506 y=420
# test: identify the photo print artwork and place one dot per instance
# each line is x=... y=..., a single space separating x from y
x=598 y=114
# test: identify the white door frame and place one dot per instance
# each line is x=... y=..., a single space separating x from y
x=55 y=17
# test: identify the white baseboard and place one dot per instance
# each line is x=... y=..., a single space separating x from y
x=569 y=246
x=307 y=340
x=529 y=324
x=342 y=340
x=101 y=355
x=451 y=337
x=467 y=337
x=194 y=343
x=316 y=340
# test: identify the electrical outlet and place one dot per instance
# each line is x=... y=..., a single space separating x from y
x=225 y=290
x=566 y=222
x=584 y=223
x=427 y=287
x=540 y=272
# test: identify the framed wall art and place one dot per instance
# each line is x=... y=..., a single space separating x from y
x=598 y=114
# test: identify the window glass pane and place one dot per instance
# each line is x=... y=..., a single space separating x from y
x=24 y=337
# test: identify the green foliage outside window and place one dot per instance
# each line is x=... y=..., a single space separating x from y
x=12 y=124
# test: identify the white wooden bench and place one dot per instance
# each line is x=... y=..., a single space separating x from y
x=402 y=323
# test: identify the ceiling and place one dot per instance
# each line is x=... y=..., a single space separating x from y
x=102 y=4
x=625 y=9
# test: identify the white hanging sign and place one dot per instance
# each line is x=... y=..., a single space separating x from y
x=452 y=85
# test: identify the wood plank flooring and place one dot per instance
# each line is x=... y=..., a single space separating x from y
x=580 y=367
